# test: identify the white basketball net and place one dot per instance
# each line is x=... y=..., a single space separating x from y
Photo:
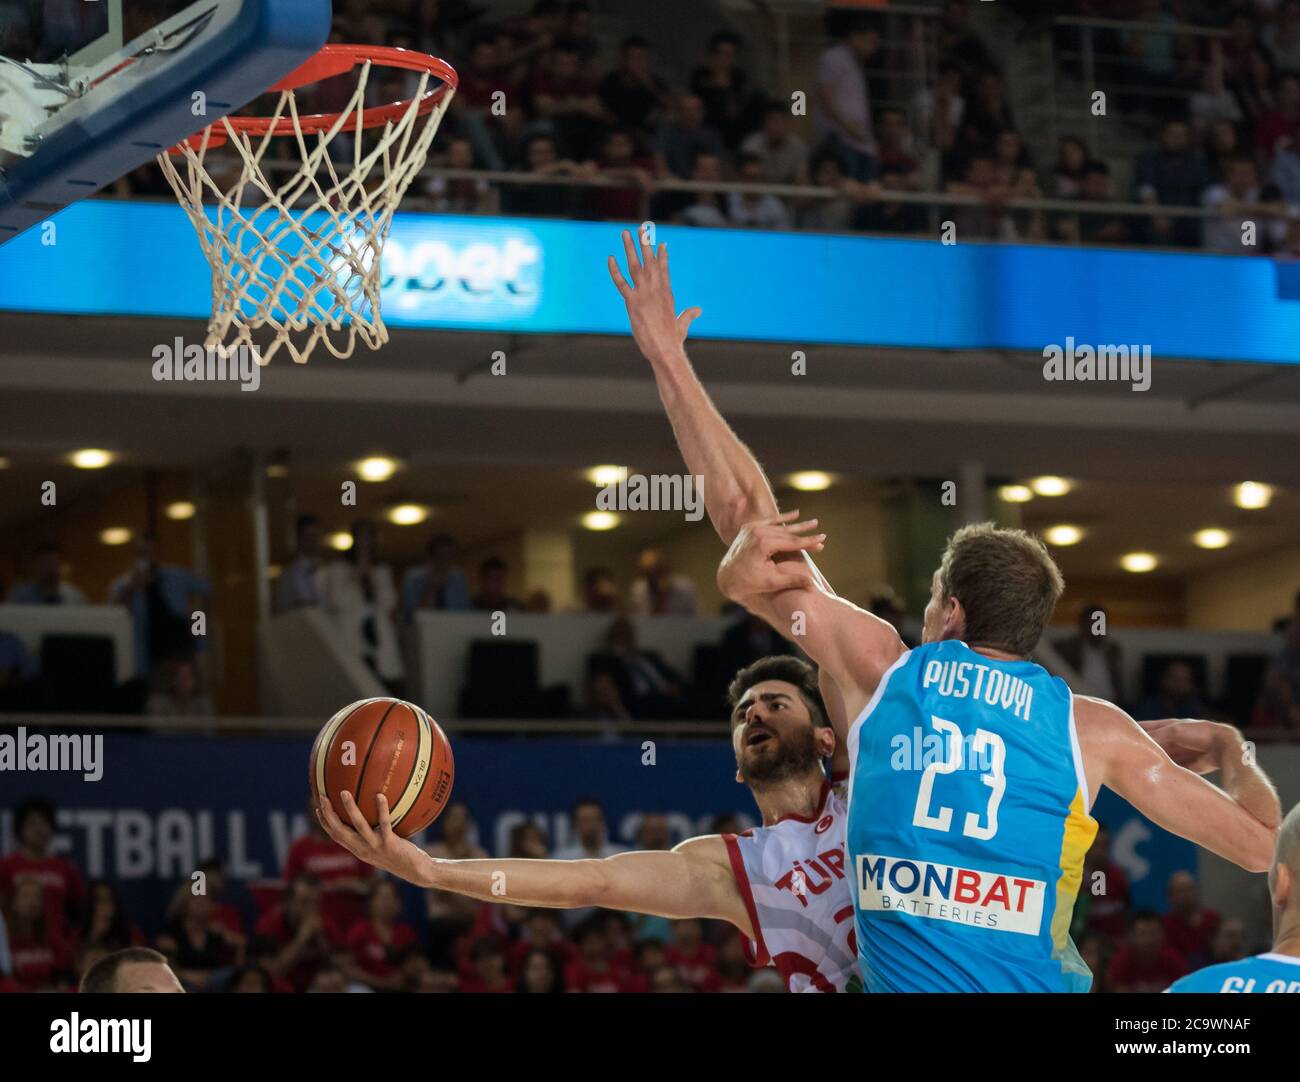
x=296 y=261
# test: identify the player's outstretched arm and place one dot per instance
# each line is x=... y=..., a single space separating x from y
x=766 y=571
x=735 y=489
x=693 y=880
x=1157 y=769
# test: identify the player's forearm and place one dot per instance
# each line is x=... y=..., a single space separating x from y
x=1245 y=782
x=735 y=489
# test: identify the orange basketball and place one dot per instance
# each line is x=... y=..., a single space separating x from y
x=384 y=746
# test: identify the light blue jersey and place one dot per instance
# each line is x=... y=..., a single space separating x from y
x=1263 y=973
x=968 y=823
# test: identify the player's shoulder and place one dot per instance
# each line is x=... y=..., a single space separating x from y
x=1218 y=978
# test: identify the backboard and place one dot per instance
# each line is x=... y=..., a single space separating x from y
x=92 y=89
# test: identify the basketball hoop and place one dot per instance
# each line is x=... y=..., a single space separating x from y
x=297 y=261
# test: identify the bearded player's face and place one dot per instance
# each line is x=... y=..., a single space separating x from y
x=772 y=733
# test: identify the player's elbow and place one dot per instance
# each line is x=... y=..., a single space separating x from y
x=1262 y=844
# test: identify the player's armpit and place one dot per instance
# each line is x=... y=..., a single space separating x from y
x=1117 y=753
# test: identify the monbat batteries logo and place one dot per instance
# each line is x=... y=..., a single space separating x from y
x=494 y=273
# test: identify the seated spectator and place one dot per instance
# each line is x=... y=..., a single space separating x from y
x=988 y=113
x=1177 y=696
x=547 y=200
x=1240 y=200
x=633 y=94
x=201 y=950
x=1096 y=956
x=41 y=954
x=1100 y=228
x=489 y=972
x=179 y=694
x=540 y=930
x=47 y=585
x=1279 y=701
x=658 y=590
x=376 y=943
x=1229 y=942
x=784 y=155
x=841 y=96
x=1190 y=927
x=1105 y=888
x=250 y=979
x=300 y=584
x=733 y=971
x=1072 y=160
x=605 y=699
x=564 y=96
x=1213 y=101
x=595 y=969
x=540 y=973
x=753 y=210
x=214 y=885
x=833 y=215
x=528 y=840
x=599 y=591
x=747 y=640
x=361 y=598
x=1281 y=38
x=729 y=107
x=1174 y=174
x=342 y=879
x=60 y=881
x=474 y=109
x=1282 y=119
x=457 y=843
x=938 y=111
x=619 y=161
x=577 y=30
x=300 y=937
x=1222 y=148
x=987 y=219
x=162 y=600
x=591 y=836
x=683 y=137
x=1095 y=658
x=694 y=960
x=461 y=195
x=493 y=573
x=705 y=208
x=106 y=925
x=646 y=684
x=438 y=583
x=1146 y=963
x=1155 y=52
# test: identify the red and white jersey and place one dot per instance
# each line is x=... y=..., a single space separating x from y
x=794 y=878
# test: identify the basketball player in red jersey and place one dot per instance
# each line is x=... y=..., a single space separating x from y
x=783 y=885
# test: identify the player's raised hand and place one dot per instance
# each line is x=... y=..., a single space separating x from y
x=376 y=845
x=767 y=557
x=657 y=329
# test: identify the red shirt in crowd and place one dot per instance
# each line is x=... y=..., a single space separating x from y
x=697 y=968
x=579 y=977
x=1108 y=912
x=1191 y=937
x=372 y=952
x=38 y=961
x=337 y=869
x=1129 y=973
x=61 y=883
x=273 y=925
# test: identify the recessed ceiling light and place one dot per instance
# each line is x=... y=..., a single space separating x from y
x=1062 y=535
x=1212 y=538
x=605 y=475
x=599 y=520
x=4 y=463
x=341 y=541
x=376 y=468
x=1051 y=486
x=1139 y=563
x=1015 y=493
x=277 y=469
x=811 y=481
x=115 y=535
x=1252 y=495
x=91 y=458
x=180 y=510
x=407 y=514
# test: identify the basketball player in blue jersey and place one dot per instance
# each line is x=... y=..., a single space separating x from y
x=1277 y=970
x=972 y=769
